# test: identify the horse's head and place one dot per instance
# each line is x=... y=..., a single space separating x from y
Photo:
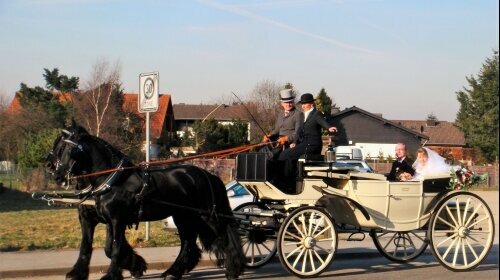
x=67 y=157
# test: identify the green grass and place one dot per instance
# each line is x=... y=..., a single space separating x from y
x=27 y=224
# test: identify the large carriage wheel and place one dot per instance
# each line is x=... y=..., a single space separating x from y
x=307 y=241
x=258 y=242
x=400 y=246
x=461 y=231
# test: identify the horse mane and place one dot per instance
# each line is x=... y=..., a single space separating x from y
x=82 y=134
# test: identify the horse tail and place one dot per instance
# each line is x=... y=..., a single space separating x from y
x=226 y=244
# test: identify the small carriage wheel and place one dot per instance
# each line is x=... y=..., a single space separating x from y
x=259 y=244
x=461 y=231
x=307 y=241
x=400 y=246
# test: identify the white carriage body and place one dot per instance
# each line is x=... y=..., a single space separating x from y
x=398 y=206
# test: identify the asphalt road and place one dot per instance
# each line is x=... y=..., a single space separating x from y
x=358 y=260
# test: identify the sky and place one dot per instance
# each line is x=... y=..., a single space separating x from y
x=402 y=59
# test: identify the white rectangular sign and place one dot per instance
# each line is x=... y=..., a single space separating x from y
x=148 y=92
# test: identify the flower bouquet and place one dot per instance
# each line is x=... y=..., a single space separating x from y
x=462 y=179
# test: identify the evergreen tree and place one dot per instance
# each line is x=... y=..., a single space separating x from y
x=211 y=136
x=54 y=81
x=478 y=113
x=324 y=103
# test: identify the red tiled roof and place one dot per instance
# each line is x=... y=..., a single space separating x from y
x=443 y=133
x=15 y=105
x=218 y=112
x=129 y=104
x=157 y=118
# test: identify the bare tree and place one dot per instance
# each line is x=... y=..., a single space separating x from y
x=101 y=100
x=263 y=103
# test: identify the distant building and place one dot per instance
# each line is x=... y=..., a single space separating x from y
x=444 y=137
x=187 y=114
x=377 y=137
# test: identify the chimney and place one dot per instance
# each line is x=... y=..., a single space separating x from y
x=432 y=120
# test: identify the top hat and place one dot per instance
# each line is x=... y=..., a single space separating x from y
x=286 y=95
x=306 y=98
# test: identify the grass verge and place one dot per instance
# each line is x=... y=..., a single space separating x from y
x=27 y=224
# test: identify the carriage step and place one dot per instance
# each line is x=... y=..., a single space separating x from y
x=357 y=236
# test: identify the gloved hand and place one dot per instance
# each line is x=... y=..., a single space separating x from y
x=283 y=140
x=265 y=138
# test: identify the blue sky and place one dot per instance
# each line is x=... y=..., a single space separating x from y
x=404 y=59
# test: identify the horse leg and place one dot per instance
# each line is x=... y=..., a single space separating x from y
x=190 y=253
x=131 y=261
x=234 y=258
x=116 y=230
x=88 y=221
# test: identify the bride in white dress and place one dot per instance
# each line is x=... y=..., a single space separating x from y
x=429 y=164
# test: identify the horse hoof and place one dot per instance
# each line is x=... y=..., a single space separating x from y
x=171 y=277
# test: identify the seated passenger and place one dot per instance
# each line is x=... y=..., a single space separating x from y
x=402 y=167
x=428 y=164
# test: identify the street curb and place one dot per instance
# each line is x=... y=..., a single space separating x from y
x=92 y=269
x=157 y=265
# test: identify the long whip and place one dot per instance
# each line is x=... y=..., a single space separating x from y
x=248 y=111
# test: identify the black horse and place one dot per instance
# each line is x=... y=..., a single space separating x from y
x=195 y=199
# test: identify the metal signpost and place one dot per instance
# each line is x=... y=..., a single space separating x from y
x=147 y=103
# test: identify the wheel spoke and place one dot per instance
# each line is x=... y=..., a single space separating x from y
x=311 y=260
x=455 y=255
x=473 y=214
x=267 y=248
x=294 y=236
x=302 y=249
x=322 y=231
x=298 y=230
x=258 y=249
x=317 y=226
x=464 y=255
x=471 y=249
x=451 y=216
x=304 y=230
x=459 y=216
x=477 y=222
x=449 y=247
x=412 y=245
x=389 y=242
x=319 y=257
x=417 y=236
x=323 y=249
x=304 y=259
x=447 y=239
x=446 y=222
x=466 y=210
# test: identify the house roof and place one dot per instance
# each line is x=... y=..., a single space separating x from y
x=156 y=119
x=380 y=118
x=220 y=112
x=443 y=133
x=15 y=105
x=129 y=105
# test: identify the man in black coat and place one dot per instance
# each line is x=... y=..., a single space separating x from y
x=310 y=138
x=402 y=166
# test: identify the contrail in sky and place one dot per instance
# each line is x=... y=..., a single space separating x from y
x=247 y=14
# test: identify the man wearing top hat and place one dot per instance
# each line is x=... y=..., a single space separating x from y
x=310 y=141
x=288 y=124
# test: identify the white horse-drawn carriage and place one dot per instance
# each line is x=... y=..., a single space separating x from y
x=403 y=218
